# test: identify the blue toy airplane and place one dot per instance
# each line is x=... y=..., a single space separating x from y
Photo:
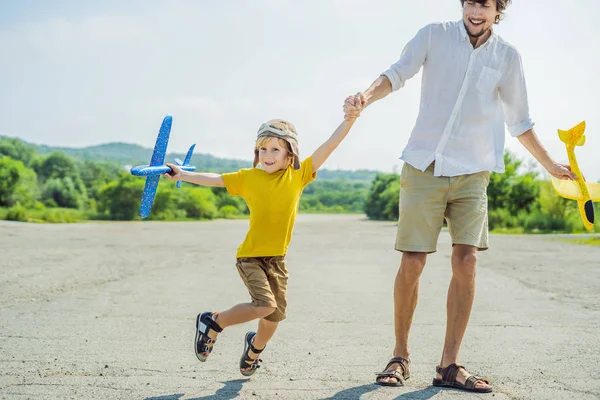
x=157 y=168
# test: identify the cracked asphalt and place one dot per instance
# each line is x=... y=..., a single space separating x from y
x=107 y=311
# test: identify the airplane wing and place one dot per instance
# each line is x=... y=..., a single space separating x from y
x=160 y=148
x=148 y=195
x=570 y=189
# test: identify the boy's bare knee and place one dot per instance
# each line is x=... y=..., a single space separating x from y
x=264 y=311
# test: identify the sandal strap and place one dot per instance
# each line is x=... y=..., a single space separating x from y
x=255 y=364
x=449 y=373
x=255 y=350
x=207 y=322
x=404 y=365
x=472 y=381
x=392 y=374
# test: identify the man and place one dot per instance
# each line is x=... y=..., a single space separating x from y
x=472 y=84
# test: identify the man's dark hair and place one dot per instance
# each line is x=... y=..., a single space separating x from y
x=501 y=5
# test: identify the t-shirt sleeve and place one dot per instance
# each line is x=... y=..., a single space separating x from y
x=306 y=171
x=235 y=182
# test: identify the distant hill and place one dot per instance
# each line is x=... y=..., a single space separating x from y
x=133 y=154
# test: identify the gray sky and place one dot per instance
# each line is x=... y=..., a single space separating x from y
x=77 y=73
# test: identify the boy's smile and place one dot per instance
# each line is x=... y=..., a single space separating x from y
x=273 y=155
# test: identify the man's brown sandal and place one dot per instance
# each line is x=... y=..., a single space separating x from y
x=400 y=377
x=449 y=379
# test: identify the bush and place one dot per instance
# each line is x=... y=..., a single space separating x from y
x=229 y=211
x=382 y=201
x=16 y=213
x=200 y=203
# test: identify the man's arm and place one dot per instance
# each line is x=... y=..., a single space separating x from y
x=531 y=142
x=377 y=91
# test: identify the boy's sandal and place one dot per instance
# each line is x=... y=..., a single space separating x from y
x=246 y=361
x=449 y=379
x=205 y=322
x=400 y=377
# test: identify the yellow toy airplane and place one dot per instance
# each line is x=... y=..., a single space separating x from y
x=584 y=192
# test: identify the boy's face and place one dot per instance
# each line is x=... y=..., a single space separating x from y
x=273 y=155
x=479 y=18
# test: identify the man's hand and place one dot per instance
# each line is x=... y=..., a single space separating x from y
x=561 y=171
x=353 y=106
x=174 y=174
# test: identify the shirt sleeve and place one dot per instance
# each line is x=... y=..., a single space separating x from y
x=411 y=60
x=234 y=182
x=513 y=94
x=306 y=173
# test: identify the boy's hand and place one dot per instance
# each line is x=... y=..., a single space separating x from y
x=174 y=174
x=353 y=106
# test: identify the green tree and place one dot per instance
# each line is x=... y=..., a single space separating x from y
x=201 y=203
x=120 y=199
x=18 y=184
x=61 y=192
x=382 y=200
x=17 y=150
x=61 y=181
x=94 y=175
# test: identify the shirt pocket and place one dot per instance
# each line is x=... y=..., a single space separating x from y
x=487 y=84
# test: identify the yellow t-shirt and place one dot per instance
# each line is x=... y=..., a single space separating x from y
x=273 y=201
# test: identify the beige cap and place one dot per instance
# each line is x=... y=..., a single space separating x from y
x=283 y=130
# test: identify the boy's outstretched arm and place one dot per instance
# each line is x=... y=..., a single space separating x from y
x=322 y=153
x=198 y=178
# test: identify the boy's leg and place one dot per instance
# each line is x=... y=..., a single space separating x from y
x=263 y=301
x=241 y=313
x=277 y=275
x=266 y=330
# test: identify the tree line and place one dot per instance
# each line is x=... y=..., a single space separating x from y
x=517 y=202
x=56 y=187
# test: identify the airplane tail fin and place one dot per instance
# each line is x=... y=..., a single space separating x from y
x=188 y=158
x=574 y=136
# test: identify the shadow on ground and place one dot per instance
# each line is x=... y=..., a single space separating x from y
x=231 y=390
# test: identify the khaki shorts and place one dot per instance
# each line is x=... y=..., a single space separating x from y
x=425 y=200
x=266 y=279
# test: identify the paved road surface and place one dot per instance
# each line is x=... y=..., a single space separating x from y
x=107 y=311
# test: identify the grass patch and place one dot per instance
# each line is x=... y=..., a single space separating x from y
x=588 y=241
x=508 y=231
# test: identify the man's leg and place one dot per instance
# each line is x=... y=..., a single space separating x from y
x=458 y=307
x=406 y=291
x=467 y=223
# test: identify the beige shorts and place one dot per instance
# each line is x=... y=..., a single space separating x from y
x=426 y=200
x=266 y=279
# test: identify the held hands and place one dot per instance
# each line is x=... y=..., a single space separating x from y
x=353 y=106
x=174 y=174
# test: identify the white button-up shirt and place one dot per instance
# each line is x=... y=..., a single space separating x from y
x=466 y=97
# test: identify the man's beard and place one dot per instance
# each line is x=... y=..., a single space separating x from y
x=483 y=31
